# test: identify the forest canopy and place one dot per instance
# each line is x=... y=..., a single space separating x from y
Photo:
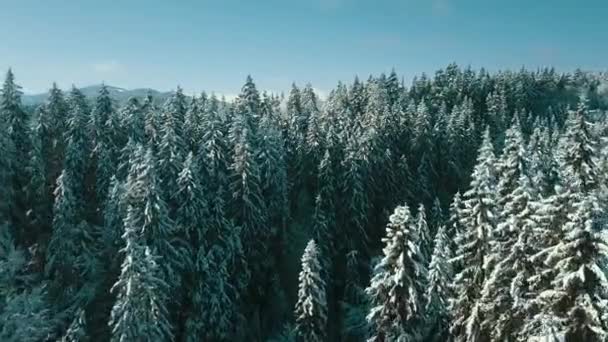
x=465 y=206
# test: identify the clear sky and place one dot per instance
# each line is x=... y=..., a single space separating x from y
x=213 y=45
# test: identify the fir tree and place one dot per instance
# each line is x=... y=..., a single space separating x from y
x=53 y=124
x=396 y=291
x=72 y=261
x=39 y=208
x=214 y=150
x=577 y=295
x=248 y=206
x=511 y=166
x=423 y=233
x=506 y=293
x=133 y=121
x=103 y=155
x=496 y=102
x=311 y=308
x=18 y=142
x=438 y=291
x=477 y=219
x=192 y=211
x=171 y=154
x=147 y=209
x=139 y=312
x=577 y=152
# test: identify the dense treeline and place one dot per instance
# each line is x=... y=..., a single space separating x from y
x=468 y=206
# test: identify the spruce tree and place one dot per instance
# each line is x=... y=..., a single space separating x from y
x=192 y=126
x=577 y=151
x=311 y=308
x=396 y=291
x=214 y=152
x=511 y=165
x=18 y=142
x=422 y=227
x=506 y=293
x=133 y=121
x=72 y=262
x=438 y=292
x=103 y=150
x=139 y=312
x=150 y=211
x=39 y=203
x=496 y=102
x=477 y=219
x=171 y=155
x=273 y=174
x=53 y=119
x=577 y=298
x=248 y=207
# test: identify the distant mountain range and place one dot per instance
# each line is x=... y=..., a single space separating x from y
x=120 y=95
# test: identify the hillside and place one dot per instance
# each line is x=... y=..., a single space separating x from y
x=120 y=95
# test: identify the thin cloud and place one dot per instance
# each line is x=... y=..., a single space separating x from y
x=107 y=66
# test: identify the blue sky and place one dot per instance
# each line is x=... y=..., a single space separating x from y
x=213 y=45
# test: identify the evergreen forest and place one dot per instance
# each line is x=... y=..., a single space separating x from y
x=466 y=205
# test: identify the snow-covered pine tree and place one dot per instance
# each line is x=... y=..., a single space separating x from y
x=542 y=161
x=248 y=207
x=139 y=312
x=101 y=113
x=357 y=101
x=113 y=225
x=171 y=152
x=214 y=151
x=39 y=203
x=436 y=216
x=314 y=135
x=176 y=107
x=496 y=102
x=273 y=174
x=147 y=209
x=6 y=172
x=422 y=130
x=192 y=126
x=298 y=118
x=152 y=120
x=424 y=235
x=506 y=293
x=103 y=157
x=354 y=212
x=54 y=117
x=133 y=121
x=511 y=165
x=396 y=291
x=438 y=290
x=78 y=149
x=72 y=261
x=577 y=299
x=477 y=218
x=17 y=125
x=577 y=153
x=311 y=308
x=192 y=210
